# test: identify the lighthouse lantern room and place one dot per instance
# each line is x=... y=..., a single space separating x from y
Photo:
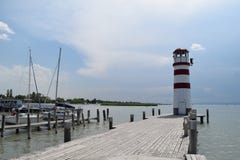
x=182 y=95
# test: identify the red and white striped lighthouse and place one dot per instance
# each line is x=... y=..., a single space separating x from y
x=182 y=95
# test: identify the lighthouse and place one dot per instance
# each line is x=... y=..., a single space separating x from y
x=181 y=86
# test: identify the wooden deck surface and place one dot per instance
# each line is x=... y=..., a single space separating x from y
x=151 y=139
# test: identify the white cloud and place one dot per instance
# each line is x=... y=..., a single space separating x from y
x=4 y=27
x=16 y=78
x=197 y=47
x=6 y=30
x=110 y=32
x=4 y=36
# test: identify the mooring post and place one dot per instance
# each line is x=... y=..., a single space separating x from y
x=3 y=125
x=17 y=120
x=81 y=111
x=29 y=126
x=56 y=124
x=201 y=119
x=73 y=121
x=88 y=116
x=38 y=120
x=110 y=122
x=49 y=119
x=64 y=116
x=159 y=112
x=193 y=114
x=153 y=112
x=107 y=113
x=192 y=137
x=185 y=126
x=67 y=132
x=98 y=116
x=144 y=115
x=131 y=117
x=207 y=116
x=78 y=116
x=104 y=115
x=83 y=120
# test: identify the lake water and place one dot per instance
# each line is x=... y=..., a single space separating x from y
x=218 y=140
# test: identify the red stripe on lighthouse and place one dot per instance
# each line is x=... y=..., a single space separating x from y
x=181 y=85
x=181 y=71
x=181 y=63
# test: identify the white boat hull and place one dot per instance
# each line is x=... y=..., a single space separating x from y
x=21 y=119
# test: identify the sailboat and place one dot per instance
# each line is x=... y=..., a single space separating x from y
x=60 y=110
x=22 y=117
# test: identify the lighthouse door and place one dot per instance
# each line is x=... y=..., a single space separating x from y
x=182 y=107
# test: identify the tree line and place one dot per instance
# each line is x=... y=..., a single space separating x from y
x=38 y=97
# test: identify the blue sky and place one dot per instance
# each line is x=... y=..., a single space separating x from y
x=122 y=50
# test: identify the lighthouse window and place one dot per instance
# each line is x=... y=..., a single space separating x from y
x=178 y=55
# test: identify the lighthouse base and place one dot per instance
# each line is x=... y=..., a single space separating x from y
x=176 y=111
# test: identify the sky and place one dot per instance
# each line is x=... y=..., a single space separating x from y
x=121 y=49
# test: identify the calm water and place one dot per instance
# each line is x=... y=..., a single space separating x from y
x=220 y=140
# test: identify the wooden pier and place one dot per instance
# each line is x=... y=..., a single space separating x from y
x=157 y=138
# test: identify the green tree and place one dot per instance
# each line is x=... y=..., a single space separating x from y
x=22 y=97
x=2 y=96
x=10 y=93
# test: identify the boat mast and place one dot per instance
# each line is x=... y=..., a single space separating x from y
x=29 y=80
x=35 y=82
x=59 y=58
x=58 y=67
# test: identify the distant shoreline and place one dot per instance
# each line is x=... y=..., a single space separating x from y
x=127 y=104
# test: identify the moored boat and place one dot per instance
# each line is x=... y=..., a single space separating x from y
x=22 y=118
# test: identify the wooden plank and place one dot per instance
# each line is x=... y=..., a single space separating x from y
x=155 y=138
x=195 y=157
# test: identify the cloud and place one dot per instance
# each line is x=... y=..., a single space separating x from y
x=197 y=47
x=16 y=78
x=6 y=30
x=4 y=36
x=111 y=33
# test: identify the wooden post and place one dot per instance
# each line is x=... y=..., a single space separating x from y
x=193 y=114
x=38 y=120
x=88 y=116
x=78 y=117
x=49 y=119
x=104 y=115
x=159 y=112
x=29 y=126
x=67 y=132
x=17 y=121
x=144 y=115
x=131 y=117
x=153 y=112
x=192 y=137
x=185 y=126
x=201 y=119
x=107 y=113
x=110 y=123
x=207 y=116
x=83 y=120
x=56 y=124
x=3 y=125
x=64 y=116
x=98 y=116
x=73 y=121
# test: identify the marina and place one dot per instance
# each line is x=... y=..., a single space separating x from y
x=171 y=136
x=212 y=137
